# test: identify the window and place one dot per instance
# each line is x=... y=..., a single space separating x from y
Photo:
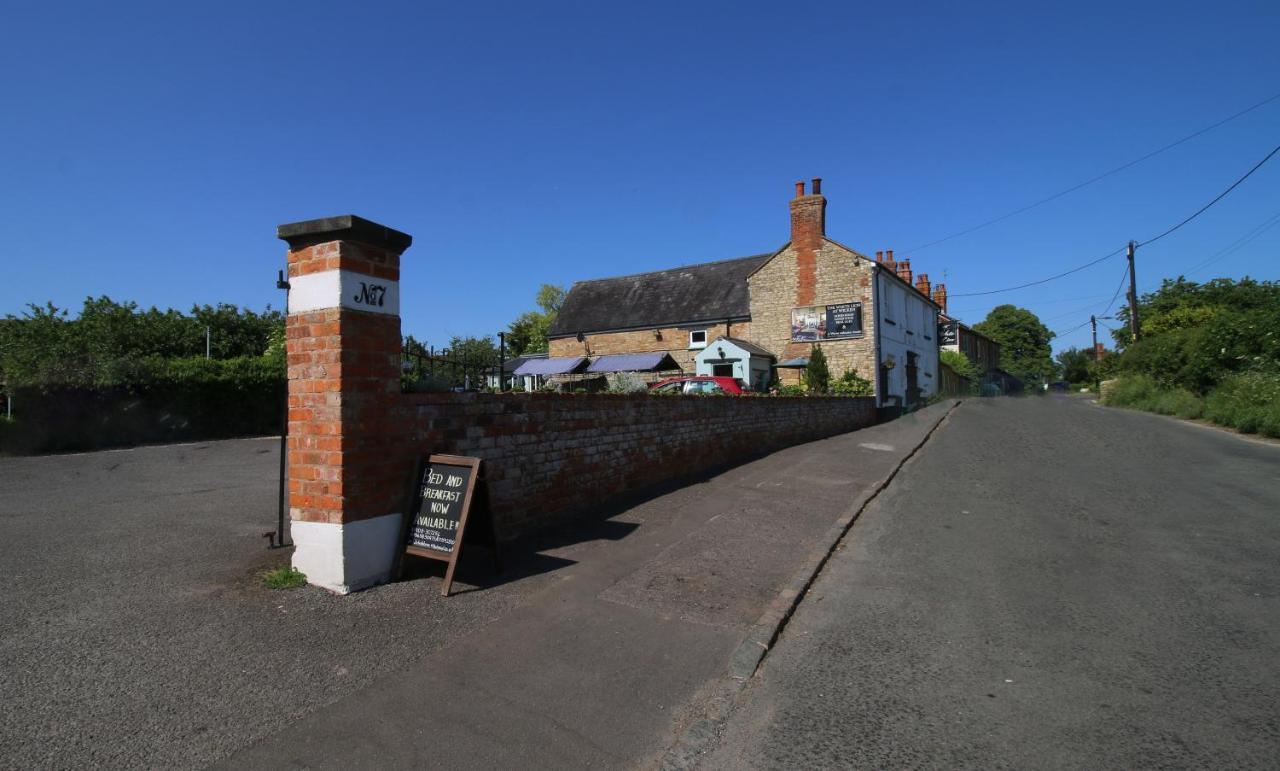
x=698 y=338
x=701 y=387
x=722 y=370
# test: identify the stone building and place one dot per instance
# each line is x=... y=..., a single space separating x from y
x=865 y=313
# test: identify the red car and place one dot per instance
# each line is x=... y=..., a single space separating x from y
x=698 y=384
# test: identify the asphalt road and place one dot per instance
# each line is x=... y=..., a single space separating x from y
x=136 y=629
x=1047 y=584
x=137 y=632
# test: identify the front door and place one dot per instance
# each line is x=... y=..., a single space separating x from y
x=913 y=386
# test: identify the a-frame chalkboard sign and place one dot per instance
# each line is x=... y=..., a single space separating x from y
x=445 y=490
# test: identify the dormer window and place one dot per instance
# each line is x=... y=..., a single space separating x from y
x=698 y=338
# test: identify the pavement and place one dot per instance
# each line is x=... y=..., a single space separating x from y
x=1046 y=584
x=138 y=632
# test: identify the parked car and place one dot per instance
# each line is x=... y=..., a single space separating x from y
x=698 y=384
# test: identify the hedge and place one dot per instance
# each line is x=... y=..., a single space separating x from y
x=150 y=400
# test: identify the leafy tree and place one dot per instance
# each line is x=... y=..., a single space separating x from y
x=1197 y=335
x=1024 y=342
x=816 y=374
x=109 y=339
x=1076 y=364
x=528 y=333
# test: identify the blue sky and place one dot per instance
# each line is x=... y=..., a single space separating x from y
x=148 y=151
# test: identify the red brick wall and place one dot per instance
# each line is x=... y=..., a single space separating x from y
x=551 y=456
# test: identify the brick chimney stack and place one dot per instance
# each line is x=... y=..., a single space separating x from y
x=808 y=228
x=903 y=269
x=922 y=284
x=940 y=296
x=808 y=216
x=888 y=259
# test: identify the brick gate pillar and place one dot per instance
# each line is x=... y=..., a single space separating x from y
x=343 y=343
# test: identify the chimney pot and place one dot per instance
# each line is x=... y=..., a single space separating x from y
x=879 y=256
x=888 y=256
x=922 y=284
x=817 y=185
x=800 y=189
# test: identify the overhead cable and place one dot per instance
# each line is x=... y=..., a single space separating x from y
x=1091 y=263
x=1221 y=195
x=1104 y=175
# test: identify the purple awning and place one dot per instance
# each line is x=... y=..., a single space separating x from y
x=561 y=366
x=634 y=362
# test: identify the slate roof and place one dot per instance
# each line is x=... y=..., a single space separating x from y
x=710 y=291
x=744 y=345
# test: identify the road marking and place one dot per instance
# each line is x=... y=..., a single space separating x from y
x=874 y=446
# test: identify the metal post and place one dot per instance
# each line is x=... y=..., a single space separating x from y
x=502 y=361
x=281 y=283
x=1134 y=328
x=206 y=342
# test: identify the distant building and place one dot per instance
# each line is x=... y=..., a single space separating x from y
x=955 y=335
x=865 y=314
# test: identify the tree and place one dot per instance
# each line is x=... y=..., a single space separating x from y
x=1076 y=364
x=816 y=374
x=1196 y=335
x=1024 y=342
x=110 y=339
x=528 y=333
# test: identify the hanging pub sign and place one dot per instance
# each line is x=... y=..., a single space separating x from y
x=443 y=495
x=948 y=333
x=826 y=322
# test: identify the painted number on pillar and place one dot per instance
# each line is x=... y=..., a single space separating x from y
x=370 y=294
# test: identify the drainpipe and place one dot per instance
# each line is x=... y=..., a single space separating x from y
x=875 y=298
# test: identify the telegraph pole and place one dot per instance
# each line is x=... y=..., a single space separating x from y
x=1134 y=327
x=1093 y=321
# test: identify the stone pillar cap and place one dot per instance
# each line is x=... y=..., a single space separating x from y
x=345 y=227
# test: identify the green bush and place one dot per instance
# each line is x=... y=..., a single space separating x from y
x=1248 y=402
x=963 y=365
x=793 y=390
x=627 y=383
x=850 y=384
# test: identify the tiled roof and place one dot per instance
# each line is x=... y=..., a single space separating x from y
x=710 y=291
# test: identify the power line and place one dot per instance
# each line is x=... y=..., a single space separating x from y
x=1069 y=331
x=1098 y=178
x=1091 y=263
x=1239 y=244
x=1221 y=195
x=1043 y=280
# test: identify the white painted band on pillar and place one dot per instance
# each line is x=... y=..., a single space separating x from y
x=344 y=289
x=346 y=558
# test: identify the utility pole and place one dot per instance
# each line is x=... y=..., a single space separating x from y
x=1093 y=322
x=1134 y=328
x=206 y=342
